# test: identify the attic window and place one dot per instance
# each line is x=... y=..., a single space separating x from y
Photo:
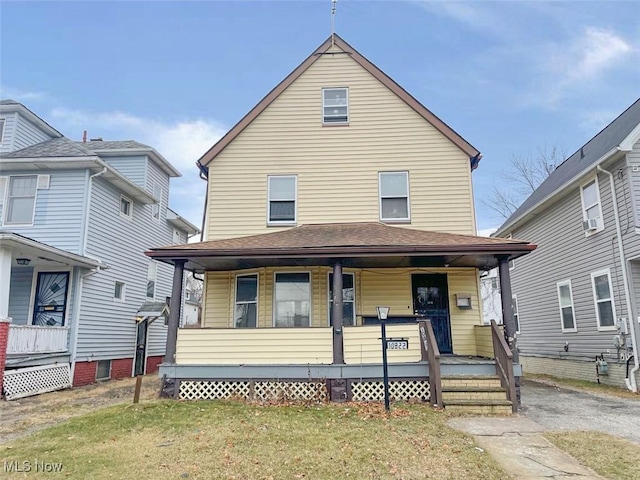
x=335 y=106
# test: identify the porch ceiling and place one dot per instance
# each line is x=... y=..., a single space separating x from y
x=40 y=253
x=357 y=245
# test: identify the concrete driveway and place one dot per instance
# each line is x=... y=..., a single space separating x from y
x=564 y=409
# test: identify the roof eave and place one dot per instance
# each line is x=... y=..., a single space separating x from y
x=32 y=117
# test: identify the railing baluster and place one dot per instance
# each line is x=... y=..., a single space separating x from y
x=504 y=363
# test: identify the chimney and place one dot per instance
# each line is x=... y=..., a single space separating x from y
x=84 y=137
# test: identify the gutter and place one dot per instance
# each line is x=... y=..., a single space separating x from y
x=631 y=380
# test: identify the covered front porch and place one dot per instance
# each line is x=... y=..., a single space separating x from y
x=37 y=302
x=300 y=304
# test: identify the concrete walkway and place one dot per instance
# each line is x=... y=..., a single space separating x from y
x=518 y=445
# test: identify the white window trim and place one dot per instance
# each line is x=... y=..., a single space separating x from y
x=104 y=379
x=573 y=308
x=257 y=302
x=584 y=207
x=124 y=291
x=5 y=202
x=394 y=220
x=516 y=312
x=156 y=207
x=329 y=297
x=32 y=295
x=331 y=124
x=3 y=122
x=295 y=207
x=599 y=273
x=273 y=300
x=155 y=281
x=122 y=214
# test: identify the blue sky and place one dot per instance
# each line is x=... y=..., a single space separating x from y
x=510 y=77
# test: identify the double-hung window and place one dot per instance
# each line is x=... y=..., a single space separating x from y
x=1 y=129
x=246 y=311
x=394 y=196
x=565 y=300
x=591 y=209
x=155 y=208
x=152 y=273
x=282 y=193
x=348 y=299
x=335 y=106
x=292 y=300
x=603 y=298
x=21 y=200
x=126 y=207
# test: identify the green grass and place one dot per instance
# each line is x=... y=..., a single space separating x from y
x=583 y=385
x=169 y=439
x=609 y=456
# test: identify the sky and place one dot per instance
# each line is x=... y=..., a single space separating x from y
x=512 y=77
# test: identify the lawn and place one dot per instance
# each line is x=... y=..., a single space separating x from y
x=232 y=440
x=611 y=457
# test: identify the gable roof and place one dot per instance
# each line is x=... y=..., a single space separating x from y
x=387 y=81
x=610 y=140
x=8 y=105
x=130 y=147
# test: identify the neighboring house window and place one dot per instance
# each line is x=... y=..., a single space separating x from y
x=152 y=273
x=516 y=316
x=591 y=210
x=605 y=308
x=394 y=196
x=187 y=295
x=103 y=370
x=118 y=291
x=348 y=299
x=155 y=208
x=335 y=106
x=177 y=236
x=126 y=207
x=282 y=192
x=1 y=129
x=565 y=299
x=494 y=284
x=21 y=200
x=246 y=312
x=292 y=300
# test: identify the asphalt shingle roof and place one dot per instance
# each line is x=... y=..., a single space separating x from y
x=57 y=147
x=585 y=158
x=113 y=145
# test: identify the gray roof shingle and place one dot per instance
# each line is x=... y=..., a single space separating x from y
x=57 y=147
x=96 y=145
x=585 y=158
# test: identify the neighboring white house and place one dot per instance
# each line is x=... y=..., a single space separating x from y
x=490 y=292
x=75 y=219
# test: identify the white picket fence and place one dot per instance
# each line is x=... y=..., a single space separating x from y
x=30 y=339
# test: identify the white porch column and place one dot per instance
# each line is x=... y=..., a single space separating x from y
x=5 y=281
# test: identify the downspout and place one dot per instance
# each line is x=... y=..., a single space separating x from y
x=88 y=210
x=631 y=380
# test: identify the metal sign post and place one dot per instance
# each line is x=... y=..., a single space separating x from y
x=383 y=313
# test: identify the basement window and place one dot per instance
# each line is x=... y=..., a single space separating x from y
x=103 y=370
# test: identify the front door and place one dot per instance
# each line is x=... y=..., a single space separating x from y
x=431 y=301
x=141 y=347
x=50 y=302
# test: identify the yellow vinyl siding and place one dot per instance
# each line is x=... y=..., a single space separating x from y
x=363 y=345
x=484 y=341
x=337 y=166
x=374 y=287
x=210 y=346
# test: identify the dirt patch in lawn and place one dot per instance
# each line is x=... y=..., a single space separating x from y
x=26 y=415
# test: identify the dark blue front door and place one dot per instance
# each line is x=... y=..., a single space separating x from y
x=431 y=301
x=50 y=303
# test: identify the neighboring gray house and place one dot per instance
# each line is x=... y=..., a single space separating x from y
x=576 y=297
x=75 y=219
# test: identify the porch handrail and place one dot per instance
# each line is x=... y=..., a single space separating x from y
x=504 y=364
x=430 y=348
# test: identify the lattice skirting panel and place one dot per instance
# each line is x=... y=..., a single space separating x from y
x=262 y=391
x=403 y=390
x=25 y=382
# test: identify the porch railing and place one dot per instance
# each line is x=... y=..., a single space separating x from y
x=504 y=364
x=31 y=339
x=432 y=352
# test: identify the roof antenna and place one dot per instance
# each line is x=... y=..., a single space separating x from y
x=333 y=21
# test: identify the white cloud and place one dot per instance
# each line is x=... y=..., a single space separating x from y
x=20 y=95
x=486 y=232
x=182 y=143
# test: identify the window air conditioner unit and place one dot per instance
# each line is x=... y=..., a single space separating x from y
x=590 y=224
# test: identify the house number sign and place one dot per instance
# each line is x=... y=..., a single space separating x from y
x=397 y=344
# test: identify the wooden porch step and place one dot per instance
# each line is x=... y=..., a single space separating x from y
x=492 y=407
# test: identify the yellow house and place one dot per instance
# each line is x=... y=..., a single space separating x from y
x=338 y=193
